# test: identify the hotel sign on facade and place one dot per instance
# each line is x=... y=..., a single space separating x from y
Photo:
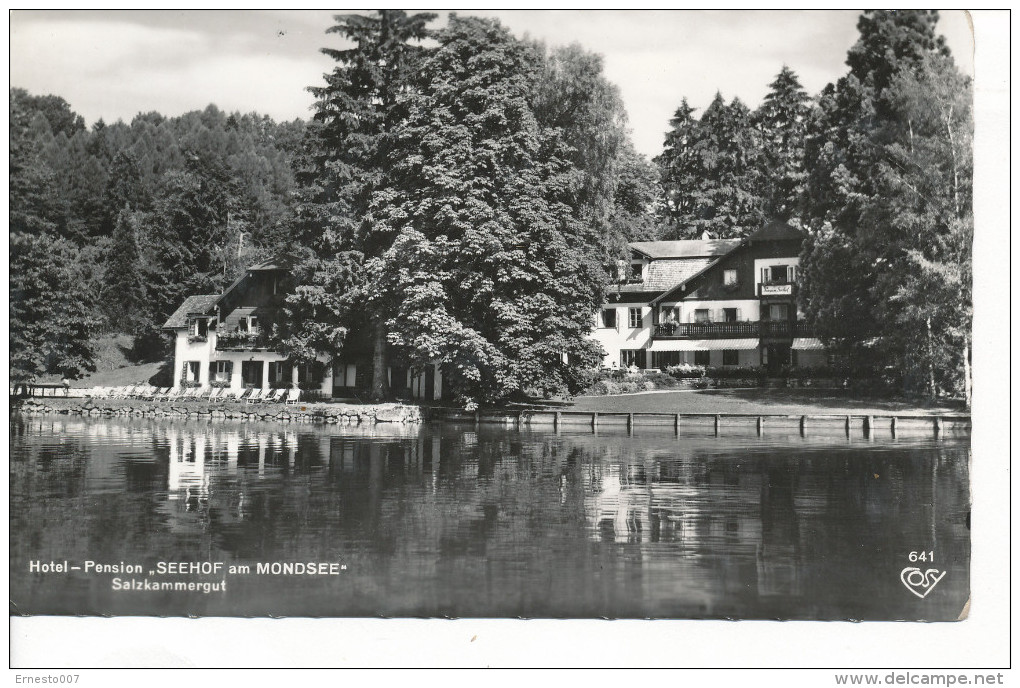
x=777 y=290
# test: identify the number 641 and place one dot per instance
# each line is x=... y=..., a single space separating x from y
x=922 y=556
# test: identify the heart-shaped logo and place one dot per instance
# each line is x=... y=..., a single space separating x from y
x=917 y=580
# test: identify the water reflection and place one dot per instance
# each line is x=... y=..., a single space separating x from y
x=457 y=521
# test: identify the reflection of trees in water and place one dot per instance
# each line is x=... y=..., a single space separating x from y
x=458 y=520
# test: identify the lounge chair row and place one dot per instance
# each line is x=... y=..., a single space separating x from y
x=150 y=393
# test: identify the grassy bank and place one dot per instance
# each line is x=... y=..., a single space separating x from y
x=758 y=400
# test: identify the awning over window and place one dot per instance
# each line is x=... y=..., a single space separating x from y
x=702 y=344
x=807 y=344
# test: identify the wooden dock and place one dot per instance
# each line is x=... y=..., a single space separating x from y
x=718 y=424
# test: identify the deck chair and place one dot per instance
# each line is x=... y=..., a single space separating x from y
x=154 y=393
x=248 y=391
x=275 y=396
x=293 y=396
x=170 y=394
x=138 y=391
x=215 y=394
x=257 y=396
x=228 y=394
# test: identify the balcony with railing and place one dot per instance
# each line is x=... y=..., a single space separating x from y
x=242 y=341
x=766 y=329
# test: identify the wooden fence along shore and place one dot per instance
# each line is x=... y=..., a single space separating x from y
x=718 y=423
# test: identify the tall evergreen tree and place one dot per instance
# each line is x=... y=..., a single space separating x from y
x=727 y=199
x=124 y=296
x=357 y=111
x=679 y=169
x=782 y=121
x=887 y=155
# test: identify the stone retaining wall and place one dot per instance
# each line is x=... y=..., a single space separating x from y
x=298 y=413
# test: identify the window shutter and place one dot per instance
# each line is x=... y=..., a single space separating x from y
x=793 y=273
x=764 y=274
x=740 y=317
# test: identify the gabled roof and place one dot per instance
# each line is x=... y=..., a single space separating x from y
x=686 y=248
x=276 y=263
x=193 y=305
x=777 y=231
x=773 y=231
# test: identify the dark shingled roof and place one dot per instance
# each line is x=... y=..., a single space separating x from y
x=777 y=231
x=686 y=248
x=277 y=263
x=202 y=304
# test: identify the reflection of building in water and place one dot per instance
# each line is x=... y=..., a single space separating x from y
x=779 y=555
x=663 y=499
x=718 y=511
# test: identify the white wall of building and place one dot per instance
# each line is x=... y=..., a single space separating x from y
x=205 y=353
x=615 y=339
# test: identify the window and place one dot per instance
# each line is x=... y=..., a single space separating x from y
x=636 y=271
x=729 y=277
x=190 y=371
x=251 y=373
x=279 y=373
x=635 y=318
x=669 y=314
x=779 y=311
x=729 y=314
x=632 y=357
x=778 y=274
x=730 y=357
x=664 y=359
x=308 y=374
x=608 y=317
x=199 y=327
x=701 y=358
x=701 y=315
x=221 y=371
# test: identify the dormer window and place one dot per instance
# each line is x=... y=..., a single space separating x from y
x=199 y=327
x=636 y=271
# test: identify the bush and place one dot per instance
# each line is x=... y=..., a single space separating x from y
x=686 y=372
x=734 y=373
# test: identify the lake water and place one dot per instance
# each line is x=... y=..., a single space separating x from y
x=458 y=521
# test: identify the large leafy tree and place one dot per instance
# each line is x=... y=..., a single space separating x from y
x=346 y=164
x=494 y=275
x=51 y=321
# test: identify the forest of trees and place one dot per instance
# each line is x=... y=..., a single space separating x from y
x=460 y=195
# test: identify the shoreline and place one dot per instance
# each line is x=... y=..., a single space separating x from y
x=756 y=420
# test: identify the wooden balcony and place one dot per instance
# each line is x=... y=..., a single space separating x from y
x=765 y=329
x=242 y=341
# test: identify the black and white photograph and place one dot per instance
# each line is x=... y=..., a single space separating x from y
x=371 y=316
